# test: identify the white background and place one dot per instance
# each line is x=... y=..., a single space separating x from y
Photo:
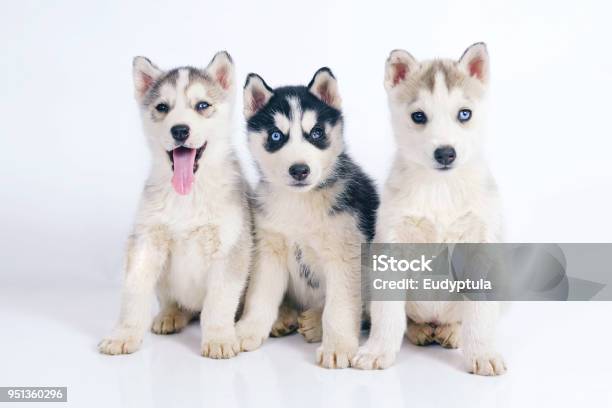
x=74 y=161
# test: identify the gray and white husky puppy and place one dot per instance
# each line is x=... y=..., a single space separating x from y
x=439 y=190
x=314 y=207
x=192 y=240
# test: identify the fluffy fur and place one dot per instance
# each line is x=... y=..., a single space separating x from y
x=429 y=200
x=309 y=228
x=193 y=250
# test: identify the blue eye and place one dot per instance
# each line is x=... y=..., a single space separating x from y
x=419 y=117
x=200 y=106
x=316 y=133
x=464 y=115
x=162 y=108
x=276 y=136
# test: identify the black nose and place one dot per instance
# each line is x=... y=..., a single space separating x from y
x=180 y=133
x=299 y=171
x=445 y=155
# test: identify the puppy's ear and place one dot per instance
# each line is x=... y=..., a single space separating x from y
x=256 y=94
x=475 y=62
x=221 y=69
x=324 y=86
x=399 y=66
x=145 y=74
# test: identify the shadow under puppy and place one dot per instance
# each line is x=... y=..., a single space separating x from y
x=314 y=207
x=439 y=190
x=192 y=239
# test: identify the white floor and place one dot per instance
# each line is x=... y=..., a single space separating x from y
x=558 y=355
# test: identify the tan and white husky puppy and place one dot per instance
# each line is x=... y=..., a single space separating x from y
x=192 y=239
x=439 y=190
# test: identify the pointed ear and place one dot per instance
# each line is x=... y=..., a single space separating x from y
x=145 y=74
x=256 y=95
x=399 y=66
x=221 y=69
x=475 y=61
x=324 y=86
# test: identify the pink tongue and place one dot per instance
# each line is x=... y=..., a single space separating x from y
x=184 y=159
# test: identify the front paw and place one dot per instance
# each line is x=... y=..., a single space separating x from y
x=335 y=357
x=486 y=364
x=250 y=335
x=120 y=343
x=373 y=358
x=220 y=346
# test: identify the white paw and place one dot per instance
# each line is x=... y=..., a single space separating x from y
x=486 y=364
x=335 y=357
x=373 y=358
x=123 y=343
x=250 y=335
x=169 y=322
x=227 y=347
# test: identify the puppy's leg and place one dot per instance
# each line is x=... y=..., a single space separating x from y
x=310 y=325
x=388 y=318
x=227 y=277
x=341 y=314
x=171 y=318
x=146 y=257
x=265 y=291
x=286 y=322
x=479 y=319
x=478 y=338
x=388 y=324
x=218 y=311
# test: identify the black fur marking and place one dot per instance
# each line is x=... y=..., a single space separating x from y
x=322 y=142
x=264 y=118
x=322 y=69
x=272 y=146
x=254 y=75
x=358 y=197
x=305 y=271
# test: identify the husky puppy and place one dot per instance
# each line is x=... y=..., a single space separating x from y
x=192 y=239
x=439 y=190
x=314 y=207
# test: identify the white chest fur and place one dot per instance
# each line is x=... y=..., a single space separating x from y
x=324 y=237
x=452 y=202
x=199 y=228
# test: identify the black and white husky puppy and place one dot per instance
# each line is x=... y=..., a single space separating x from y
x=314 y=207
